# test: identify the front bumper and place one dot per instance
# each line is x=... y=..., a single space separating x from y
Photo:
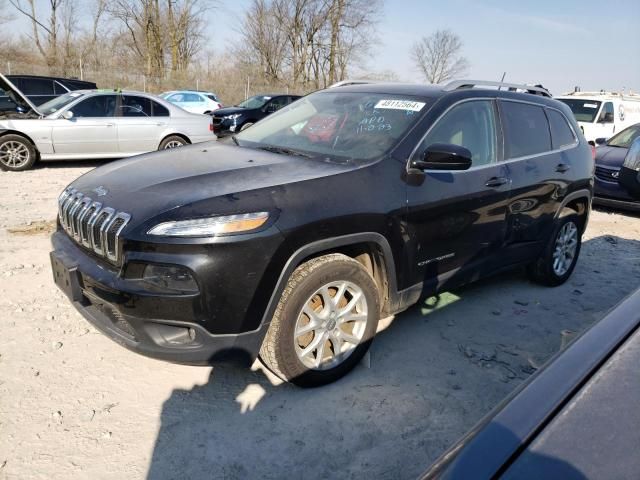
x=167 y=327
x=223 y=127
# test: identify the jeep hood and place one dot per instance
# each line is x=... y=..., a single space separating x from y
x=17 y=96
x=148 y=185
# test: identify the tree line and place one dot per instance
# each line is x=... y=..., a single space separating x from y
x=300 y=45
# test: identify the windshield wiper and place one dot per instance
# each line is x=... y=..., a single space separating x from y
x=284 y=151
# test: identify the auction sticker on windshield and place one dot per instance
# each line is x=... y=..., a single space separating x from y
x=400 y=105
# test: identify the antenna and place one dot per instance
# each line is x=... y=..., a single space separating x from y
x=502 y=79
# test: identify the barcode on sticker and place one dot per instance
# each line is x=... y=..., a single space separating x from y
x=400 y=105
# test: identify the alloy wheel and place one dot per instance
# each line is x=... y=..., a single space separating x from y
x=173 y=144
x=330 y=325
x=565 y=250
x=14 y=154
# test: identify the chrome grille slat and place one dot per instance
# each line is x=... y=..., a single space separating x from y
x=91 y=225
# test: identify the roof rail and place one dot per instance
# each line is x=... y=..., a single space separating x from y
x=344 y=83
x=512 y=87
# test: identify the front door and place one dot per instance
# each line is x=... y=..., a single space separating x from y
x=456 y=219
x=91 y=130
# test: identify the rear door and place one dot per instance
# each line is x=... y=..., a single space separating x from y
x=540 y=167
x=141 y=122
x=458 y=217
x=91 y=130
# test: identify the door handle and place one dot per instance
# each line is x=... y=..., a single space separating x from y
x=161 y=124
x=496 y=182
x=110 y=124
x=562 y=167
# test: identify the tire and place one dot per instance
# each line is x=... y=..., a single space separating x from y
x=246 y=125
x=16 y=153
x=172 y=141
x=543 y=270
x=284 y=353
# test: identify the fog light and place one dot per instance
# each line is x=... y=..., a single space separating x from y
x=173 y=278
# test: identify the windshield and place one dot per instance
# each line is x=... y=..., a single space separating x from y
x=625 y=138
x=583 y=110
x=52 y=106
x=339 y=124
x=255 y=102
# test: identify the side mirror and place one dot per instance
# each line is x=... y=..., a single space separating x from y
x=601 y=141
x=68 y=115
x=607 y=118
x=443 y=156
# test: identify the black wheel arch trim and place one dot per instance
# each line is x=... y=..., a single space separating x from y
x=578 y=194
x=326 y=244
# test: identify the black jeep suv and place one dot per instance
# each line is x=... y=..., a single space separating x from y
x=291 y=239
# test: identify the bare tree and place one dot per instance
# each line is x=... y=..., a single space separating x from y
x=439 y=56
x=45 y=33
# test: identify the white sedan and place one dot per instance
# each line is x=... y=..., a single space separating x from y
x=87 y=124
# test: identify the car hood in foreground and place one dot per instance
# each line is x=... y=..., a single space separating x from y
x=17 y=96
x=611 y=157
x=148 y=185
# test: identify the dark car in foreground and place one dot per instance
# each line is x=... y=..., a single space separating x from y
x=42 y=89
x=630 y=172
x=575 y=419
x=610 y=156
x=230 y=120
x=294 y=237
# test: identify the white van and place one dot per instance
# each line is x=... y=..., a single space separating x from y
x=603 y=114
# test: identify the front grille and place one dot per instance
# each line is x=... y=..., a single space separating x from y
x=91 y=225
x=607 y=174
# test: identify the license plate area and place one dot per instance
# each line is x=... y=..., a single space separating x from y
x=66 y=277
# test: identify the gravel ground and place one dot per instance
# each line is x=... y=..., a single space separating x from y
x=73 y=404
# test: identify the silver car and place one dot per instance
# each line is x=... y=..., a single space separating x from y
x=87 y=124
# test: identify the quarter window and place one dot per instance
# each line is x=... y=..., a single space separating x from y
x=561 y=133
x=159 y=110
x=526 y=129
x=470 y=125
x=96 y=106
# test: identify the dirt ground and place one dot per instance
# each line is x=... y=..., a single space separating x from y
x=73 y=404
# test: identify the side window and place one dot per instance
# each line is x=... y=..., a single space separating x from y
x=561 y=133
x=191 y=97
x=96 y=106
x=133 y=106
x=471 y=125
x=276 y=104
x=159 y=110
x=37 y=86
x=607 y=115
x=526 y=129
x=176 y=97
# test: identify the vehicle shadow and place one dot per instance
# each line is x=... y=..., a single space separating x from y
x=432 y=373
x=54 y=164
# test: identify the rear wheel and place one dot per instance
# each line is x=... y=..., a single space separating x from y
x=324 y=322
x=16 y=153
x=172 y=141
x=557 y=261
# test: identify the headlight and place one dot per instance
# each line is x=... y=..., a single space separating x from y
x=208 y=227
x=232 y=117
x=632 y=160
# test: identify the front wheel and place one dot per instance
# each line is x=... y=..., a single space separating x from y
x=172 y=141
x=324 y=322
x=559 y=258
x=16 y=153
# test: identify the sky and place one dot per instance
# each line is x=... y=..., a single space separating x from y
x=557 y=43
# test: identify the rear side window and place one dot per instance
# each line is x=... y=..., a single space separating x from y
x=37 y=86
x=135 y=106
x=561 y=133
x=526 y=129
